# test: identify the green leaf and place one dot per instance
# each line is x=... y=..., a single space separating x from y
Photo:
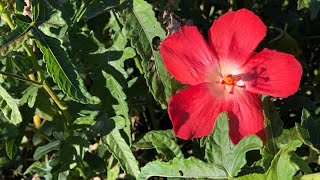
x=29 y=96
x=9 y=107
x=303 y=4
x=163 y=144
x=98 y=7
x=41 y=151
x=282 y=167
x=287 y=136
x=11 y=147
x=301 y=163
x=55 y=26
x=121 y=109
x=308 y=130
x=182 y=168
x=13 y=41
x=63 y=71
x=253 y=176
x=274 y=128
x=313 y=176
x=313 y=5
x=220 y=151
x=122 y=152
x=143 y=30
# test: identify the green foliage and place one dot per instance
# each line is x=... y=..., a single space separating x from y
x=122 y=152
x=274 y=128
x=41 y=151
x=313 y=5
x=83 y=92
x=144 y=32
x=281 y=166
x=161 y=142
x=182 y=168
x=9 y=107
x=220 y=152
x=308 y=130
x=62 y=71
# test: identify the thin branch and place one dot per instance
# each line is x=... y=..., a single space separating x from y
x=21 y=78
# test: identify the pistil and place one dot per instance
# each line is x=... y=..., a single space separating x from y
x=230 y=81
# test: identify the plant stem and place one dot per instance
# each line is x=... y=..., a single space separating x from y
x=33 y=59
x=138 y=65
x=21 y=78
x=5 y=15
x=155 y=123
x=54 y=96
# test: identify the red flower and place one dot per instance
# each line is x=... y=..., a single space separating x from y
x=225 y=76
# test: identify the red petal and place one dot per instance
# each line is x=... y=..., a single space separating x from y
x=272 y=73
x=235 y=35
x=245 y=116
x=188 y=57
x=193 y=110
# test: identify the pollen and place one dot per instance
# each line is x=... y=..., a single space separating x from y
x=230 y=81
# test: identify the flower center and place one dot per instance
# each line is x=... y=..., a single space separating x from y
x=230 y=81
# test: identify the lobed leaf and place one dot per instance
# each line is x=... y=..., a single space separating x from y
x=63 y=71
x=29 y=96
x=122 y=152
x=282 y=167
x=9 y=107
x=163 y=144
x=182 y=168
x=308 y=130
x=220 y=151
x=143 y=29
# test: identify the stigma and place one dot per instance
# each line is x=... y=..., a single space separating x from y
x=230 y=81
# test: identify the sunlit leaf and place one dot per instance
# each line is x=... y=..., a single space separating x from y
x=303 y=4
x=9 y=107
x=122 y=152
x=161 y=142
x=55 y=26
x=121 y=109
x=183 y=168
x=281 y=167
x=220 y=151
x=313 y=176
x=143 y=30
x=63 y=71
x=29 y=96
